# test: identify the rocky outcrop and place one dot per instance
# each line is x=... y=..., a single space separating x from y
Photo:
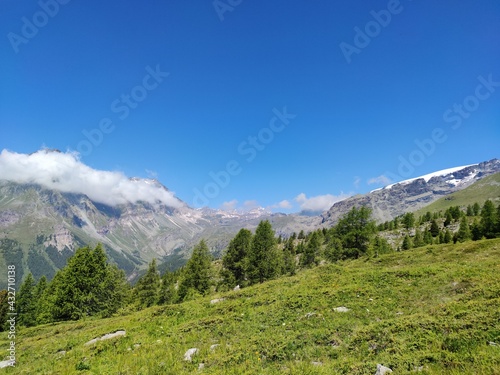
x=411 y=195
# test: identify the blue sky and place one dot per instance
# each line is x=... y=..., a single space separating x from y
x=190 y=92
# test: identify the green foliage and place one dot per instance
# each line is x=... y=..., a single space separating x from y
x=407 y=243
x=464 y=232
x=26 y=302
x=168 y=293
x=408 y=220
x=4 y=309
x=87 y=286
x=234 y=260
x=263 y=258
x=310 y=255
x=356 y=229
x=148 y=286
x=434 y=228
x=488 y=220
x=289 y=266
x=380 y=246
x=198 y=272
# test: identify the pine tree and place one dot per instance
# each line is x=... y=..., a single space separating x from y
x=263 y=259
x=26 y=302
x=476 y=208
x=198 y=273
x=83 y=287
x=464 y=233
x=39 y=292
x=309 y=256
x=380 y=246
x=409 y=220
x=301 y=235
x=447 y=236
x=470 y=211
x=356 y=229
x=488 y=220
x=407 y=243
x=434 y=228
x=428 y=240
x=289 y=258
x=449 y=219
x=418 y=240
x=4 y=309
x=168 y=293
x=234 y=260
x=476 y=231
x=333 y=249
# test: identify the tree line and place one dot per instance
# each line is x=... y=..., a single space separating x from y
x=90 y=286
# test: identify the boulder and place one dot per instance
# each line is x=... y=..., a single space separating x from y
x=106 y=337
x=190 y=353
x=382 y=370
x=341 y=309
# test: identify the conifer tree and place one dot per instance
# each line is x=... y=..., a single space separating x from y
x=356 y=229
x=428 y=240
x=197 y=275
x=434 y=228
x=26 y=302
x=476 y=231
x=39 y=293
x=4 y=309
x=469 y=211
x=263 y=259
x=289 y=266
x=309 y=256
x=447 y=236
x=476 y=208
x=234 y=260
x=380 y=246
x=418 y=240
x=464 y=233
x=488 y=220
x=409 y=220
x=168 y=293
x=407 y=243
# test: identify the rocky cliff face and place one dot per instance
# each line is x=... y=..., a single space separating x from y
x=410 y=195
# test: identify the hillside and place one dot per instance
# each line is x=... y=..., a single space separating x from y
x=411 y=195
x=480 y=191
x=432 y=310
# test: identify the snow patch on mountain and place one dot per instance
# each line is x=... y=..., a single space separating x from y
x=427 y=177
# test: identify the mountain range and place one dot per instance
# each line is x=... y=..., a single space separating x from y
x=41 y=226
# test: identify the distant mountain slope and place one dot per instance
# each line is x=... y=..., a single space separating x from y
x=41 y=227
x=413 y=194
x=480 y=191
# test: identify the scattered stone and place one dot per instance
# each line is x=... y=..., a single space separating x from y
x=190 y=353
x=491 y=343
x=236 y=288
x=418 y=368
x=106 y=337
x=61 y=353
x=370 y=299
x=310 y=314
x=137 y=346
x=213 y=347
x=159 y=341
x=316 y=363
x=399 y=313
x=382 y=370
x=201 y=366
x=217 y=300
x=341 y=309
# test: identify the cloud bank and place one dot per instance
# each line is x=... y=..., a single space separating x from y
x=318 y=203
x=380 y=180
x=66 y=173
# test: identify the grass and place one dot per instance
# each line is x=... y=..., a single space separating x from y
x=435 y=309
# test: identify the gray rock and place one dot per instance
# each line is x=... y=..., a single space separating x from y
x=201 y=366
x=4 y=364
x=190 y=353
x=310 y=314
x=213 y=347
x=217 y=300
x=341 y=309
x=382 y=370
x=237 y=287
x=107 y=336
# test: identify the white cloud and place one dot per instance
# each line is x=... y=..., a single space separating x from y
x=284 y=204
x=380 y=180
x=319 y=202
x=66 y=173
x=229 y=206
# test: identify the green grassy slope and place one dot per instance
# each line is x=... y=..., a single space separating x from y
x=480 y=192
x=435 y=308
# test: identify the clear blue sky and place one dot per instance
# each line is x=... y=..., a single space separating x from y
x=357 y=114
